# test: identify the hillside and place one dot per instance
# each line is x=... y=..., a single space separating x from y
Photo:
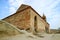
x=7 y=29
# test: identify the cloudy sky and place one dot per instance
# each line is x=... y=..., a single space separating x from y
x=51 y=8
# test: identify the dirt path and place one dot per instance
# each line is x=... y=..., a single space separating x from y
x=32 y=37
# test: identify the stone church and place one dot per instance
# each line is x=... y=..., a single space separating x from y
x=26 y=18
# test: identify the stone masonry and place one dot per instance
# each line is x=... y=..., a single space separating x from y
x=26 y=18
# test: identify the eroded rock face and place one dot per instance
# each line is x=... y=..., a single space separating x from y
x=7 y=29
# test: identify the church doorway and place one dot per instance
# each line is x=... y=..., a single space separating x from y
x=35 y=23
x=46 y=29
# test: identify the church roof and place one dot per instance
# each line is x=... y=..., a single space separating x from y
x=22 y=7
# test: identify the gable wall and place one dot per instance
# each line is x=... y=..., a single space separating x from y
x=21 y=19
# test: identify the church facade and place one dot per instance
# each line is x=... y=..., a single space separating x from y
x=26 y=18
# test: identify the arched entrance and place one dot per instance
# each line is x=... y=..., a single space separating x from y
x=46 y=29
x=35 y=23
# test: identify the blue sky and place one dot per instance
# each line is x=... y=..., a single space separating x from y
x=51 y=8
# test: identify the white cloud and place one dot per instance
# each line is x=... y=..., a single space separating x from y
x=14 y=4
x=12 y=10
x=55 y=22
